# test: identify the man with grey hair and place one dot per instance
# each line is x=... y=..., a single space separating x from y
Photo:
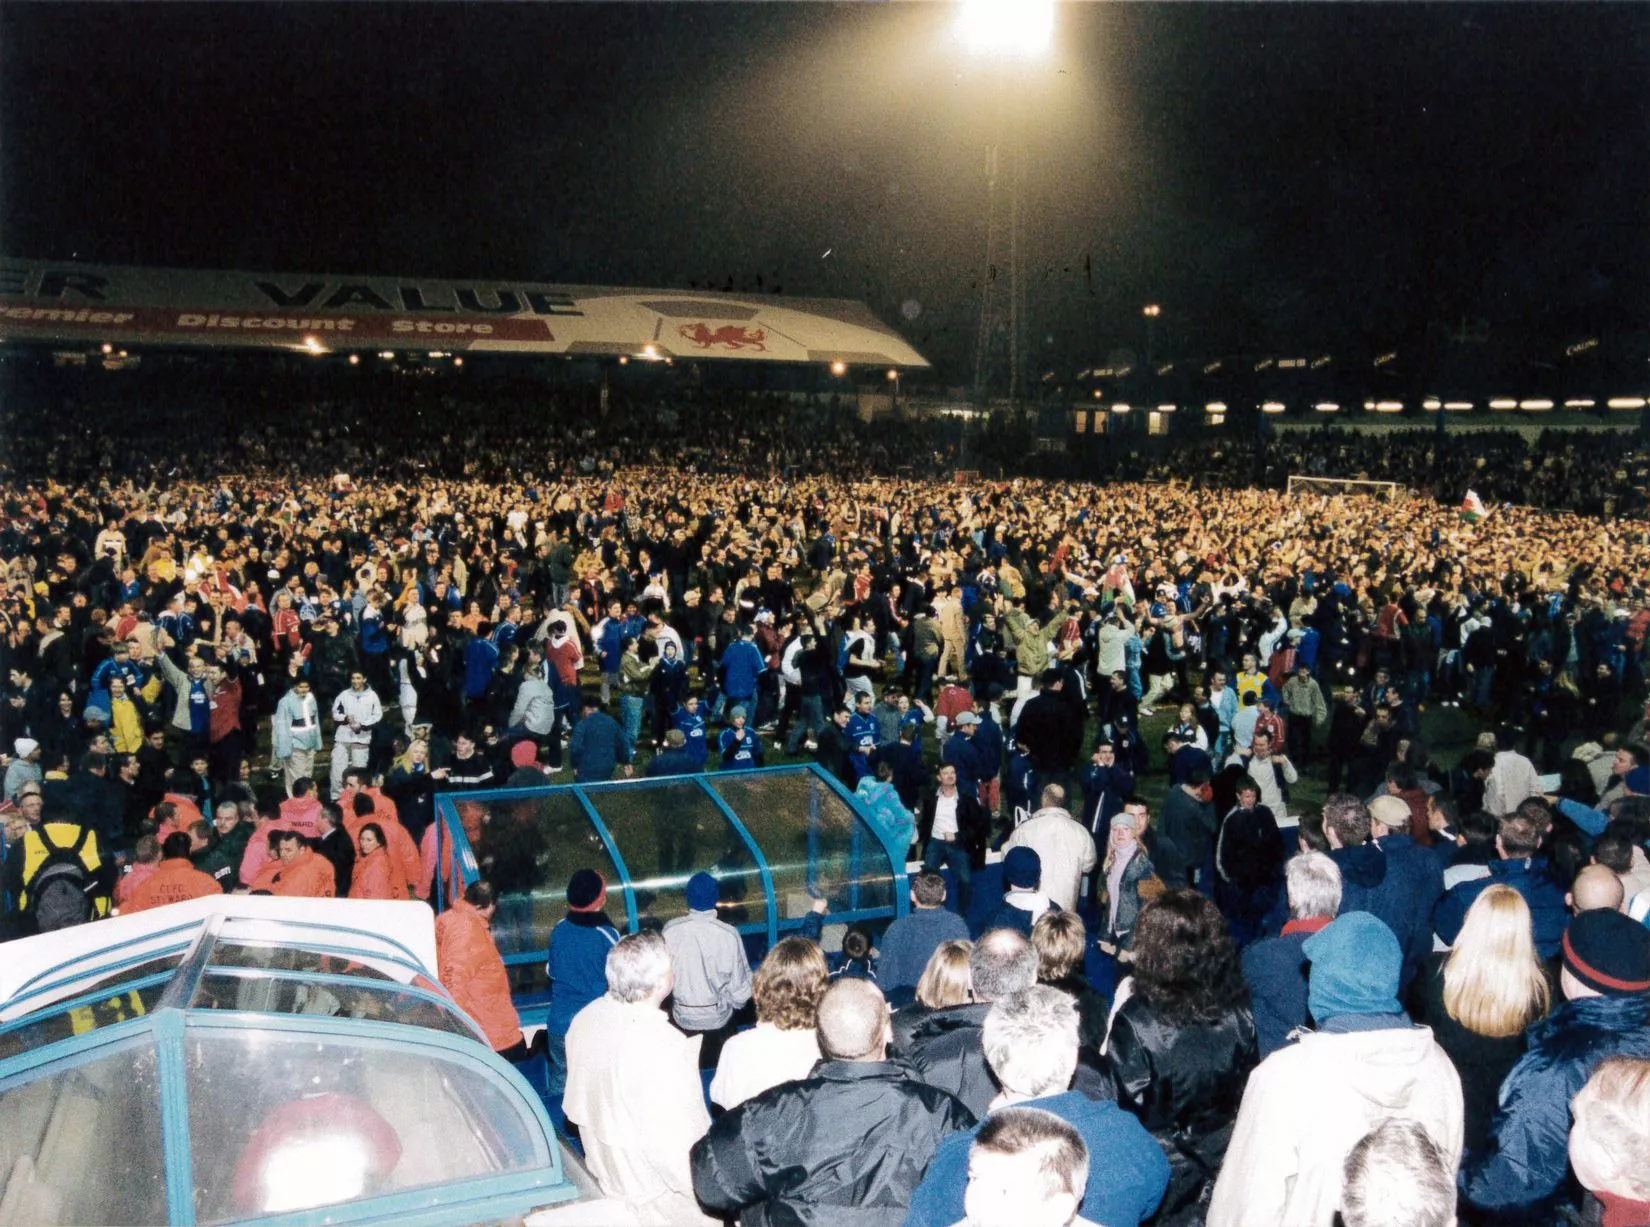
x=946 y=1050
x=1397 y=1176
x=1030 y=1040
x=846 y=1145
x=1028 y=1168
x=633 y=1087
x=1276 y=968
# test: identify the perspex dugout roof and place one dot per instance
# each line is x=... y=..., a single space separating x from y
x=775 y=838
x=248 y=1059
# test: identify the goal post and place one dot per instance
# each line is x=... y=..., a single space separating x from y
x=1341 y=486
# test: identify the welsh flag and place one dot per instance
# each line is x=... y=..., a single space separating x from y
x=1472 y=508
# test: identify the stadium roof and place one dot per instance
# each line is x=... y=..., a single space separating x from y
x=74 y=302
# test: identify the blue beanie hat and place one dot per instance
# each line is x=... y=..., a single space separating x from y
x=1023 y=868
x=702 y=892
x=1355 y=968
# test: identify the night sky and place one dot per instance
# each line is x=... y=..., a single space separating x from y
x=1316 y=178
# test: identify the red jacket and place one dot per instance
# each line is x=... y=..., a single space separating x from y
x=225 y=705
x=472 y=971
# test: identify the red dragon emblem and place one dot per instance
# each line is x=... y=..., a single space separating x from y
x=728 y=336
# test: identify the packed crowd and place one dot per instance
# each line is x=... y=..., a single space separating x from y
x=1222 y=1006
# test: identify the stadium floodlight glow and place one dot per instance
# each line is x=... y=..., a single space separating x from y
x=1272 y=406
x=1457 y=406
x=1432 y=404
x=1166 y=408
x=839 y=368
x=1120 y=408
x=650 y=352
x=1152 y=310
x=1535 y=404
x=387 y=355
x=1327 y=406
x=355 y=359
x=1579 y=404
x=624 y=360
x=892 y=375
x=108 y=349
x=1389 y=406
x=1625 y=402
x=1502 y=402
x=1006 y=27
x=1098 y=394
x=1215 y=406
x=313 y=345
x=458 y=362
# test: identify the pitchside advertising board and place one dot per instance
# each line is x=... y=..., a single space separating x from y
x=94 y=304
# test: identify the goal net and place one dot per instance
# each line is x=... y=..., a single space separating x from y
x=1342 y=486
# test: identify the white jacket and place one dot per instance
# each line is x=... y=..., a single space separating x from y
x=364 y=708
x=1513 y=780
x=1066 y=849
x=1307 y=1106
x=633 y=1089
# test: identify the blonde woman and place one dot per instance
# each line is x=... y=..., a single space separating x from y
x=1479 y=998
x=784 y=1044
x=1610 y=1141
x=946 y=982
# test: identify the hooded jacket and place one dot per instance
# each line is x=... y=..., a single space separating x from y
x=1521 y=1174
x=1307 y=1106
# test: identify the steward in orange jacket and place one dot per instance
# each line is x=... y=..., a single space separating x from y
x=472 y=971
x=173 y=881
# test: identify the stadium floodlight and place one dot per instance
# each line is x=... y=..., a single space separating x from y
x=1327 y=406
x=1389 y=406
x=1006 y=27
x=1579 y=404
x=1120 y=408
x=1625 y=402
x=1457 y=406
x=1503 y=402
x=1215 y=406
x=1272 y=406
x=1167 y=408
x=458 y=362
x=1432 y=404
x=1535 y=404
x=355 y=359
x=839 y=367
x=1151 y=311
x=107 y=348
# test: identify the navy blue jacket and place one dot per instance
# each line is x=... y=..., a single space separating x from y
x=1276 y=970
x=911 y=941
x=741 y=665
x=596 y=747
x=577 y=963
x=675 y=762
x=1521 y=1175
x=1528 y=876
x=1387 y=889
x=1127 y=1170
